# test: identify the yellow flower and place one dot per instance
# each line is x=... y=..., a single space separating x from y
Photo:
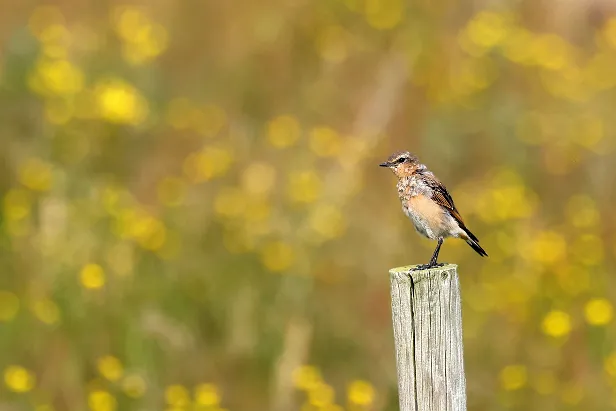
x=46 y=311
x=92 y=276
x=207 y=164
x=56 y=78
x=306 y=377
x=304 y=186
x=110 y=368
x=321 y=395
x=361 y=393
x=150 y=42
x=487 y=29
x=143 y=39
x=18 y=379
x=36 y=175
x=556 y=324
x=513 y=377
x=177 y=396
x=548 y=247
x=17 y=204
x=9 y=306
x=598 y=311
x=283 y=131
x=277 y=256
x=101 y=400
x=128 y=20
x=120 y=102
x=134 y=386
x=148 y=231
x=384 y=14
x=207 y=395
x=517 y=46
x=550 y=51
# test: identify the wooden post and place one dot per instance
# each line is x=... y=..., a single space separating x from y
x=427 y=319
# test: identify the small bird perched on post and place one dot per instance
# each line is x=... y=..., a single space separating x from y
x=428 y=204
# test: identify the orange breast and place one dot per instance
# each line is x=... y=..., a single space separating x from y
x=431 y=212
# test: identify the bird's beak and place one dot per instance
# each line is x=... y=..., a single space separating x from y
x=385 y=164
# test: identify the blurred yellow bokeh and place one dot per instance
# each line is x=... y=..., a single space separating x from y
x=92 y=276
x=193 y=216
x=598 y=311
x=110 y=368
x=361 y=393
x=134 y=386
x=101 y=400
x=513 y=377
x=177 y=396
x=18 y=379
x=556 y=324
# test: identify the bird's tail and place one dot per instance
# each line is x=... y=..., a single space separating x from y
x=474 y=242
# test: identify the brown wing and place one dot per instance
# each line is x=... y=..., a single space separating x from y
x=441 y=196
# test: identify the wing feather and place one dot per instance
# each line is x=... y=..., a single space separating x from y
x=442 y=197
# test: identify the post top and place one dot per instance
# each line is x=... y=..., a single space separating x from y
x=409 y=271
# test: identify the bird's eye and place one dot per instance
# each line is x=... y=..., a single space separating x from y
x=400 y=160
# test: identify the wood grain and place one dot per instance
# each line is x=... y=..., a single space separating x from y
x=427 y=321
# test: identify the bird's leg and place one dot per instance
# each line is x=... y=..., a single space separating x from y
x=432 y=262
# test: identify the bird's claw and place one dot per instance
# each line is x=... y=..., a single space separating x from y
x=427 y=266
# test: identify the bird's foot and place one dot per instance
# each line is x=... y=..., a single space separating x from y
x=428 y=266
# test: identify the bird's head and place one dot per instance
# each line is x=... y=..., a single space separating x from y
x=403 y=164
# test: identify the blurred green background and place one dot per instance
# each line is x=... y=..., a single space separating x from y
x=193 y=217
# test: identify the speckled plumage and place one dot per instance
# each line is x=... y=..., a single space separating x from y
x=427 y=203
x=430 y=219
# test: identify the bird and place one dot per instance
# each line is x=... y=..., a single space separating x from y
x=428 y=204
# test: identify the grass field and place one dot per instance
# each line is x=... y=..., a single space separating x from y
x=193 y=216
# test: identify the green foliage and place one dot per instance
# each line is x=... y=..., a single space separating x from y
x=193 y=216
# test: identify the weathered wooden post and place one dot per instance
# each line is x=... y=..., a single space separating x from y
x=427 y=319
